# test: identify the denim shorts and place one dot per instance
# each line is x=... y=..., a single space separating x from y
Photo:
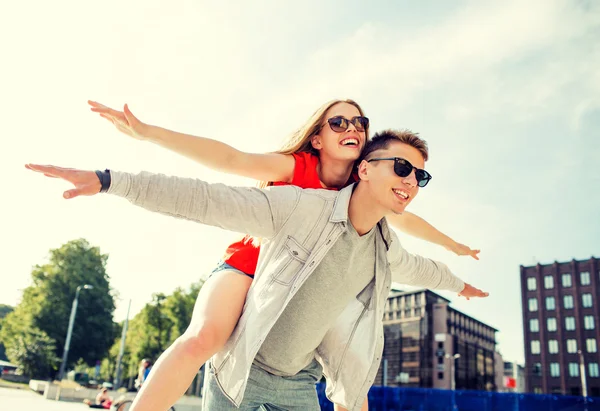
x=222 y=266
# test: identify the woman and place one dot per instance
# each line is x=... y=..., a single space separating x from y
x=321 y=154
x=103 y=400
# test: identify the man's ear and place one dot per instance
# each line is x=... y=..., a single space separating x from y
x=363 y=170
x=316 y=142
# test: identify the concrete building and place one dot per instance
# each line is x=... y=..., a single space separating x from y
x=516 y=372
x=561 y=308
x=431 y=345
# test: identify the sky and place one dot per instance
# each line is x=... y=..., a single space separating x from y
x=507 y=94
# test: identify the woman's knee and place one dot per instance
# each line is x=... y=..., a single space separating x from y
x=204 y=339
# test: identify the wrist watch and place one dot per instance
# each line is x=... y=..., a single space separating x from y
x=104 y=177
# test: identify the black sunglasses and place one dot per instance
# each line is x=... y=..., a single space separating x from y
x=403 y=168
x=340 y=124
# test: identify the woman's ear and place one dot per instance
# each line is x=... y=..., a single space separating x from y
x=316 y=142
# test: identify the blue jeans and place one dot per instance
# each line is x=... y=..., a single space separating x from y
x=266 y=391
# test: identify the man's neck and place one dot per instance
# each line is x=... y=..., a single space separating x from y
x=364 y=213
x=334 y=173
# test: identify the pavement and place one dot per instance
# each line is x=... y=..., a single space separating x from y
x=12 y=399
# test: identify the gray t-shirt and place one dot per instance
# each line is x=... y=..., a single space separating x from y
x=342 y=274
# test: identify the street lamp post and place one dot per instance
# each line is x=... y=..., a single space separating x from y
x=63 y=364
x=452 y=369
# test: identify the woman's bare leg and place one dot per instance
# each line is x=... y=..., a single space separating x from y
x=365 y=407
x=217 y=310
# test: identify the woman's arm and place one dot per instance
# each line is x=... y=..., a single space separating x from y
x=208 y=152
x=414 y=225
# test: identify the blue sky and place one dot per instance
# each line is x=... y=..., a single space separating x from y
x=506 y=94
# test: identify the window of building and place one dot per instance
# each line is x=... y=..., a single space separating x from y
x=588 y=322
x=551 y=322
x=553 y=346
x=586 y=300
x=535 y=347
x=593 y=369
x=533 y=305
x=534 y=325
x=591 y=345
x=440 y=375
x=584 y=278
x=568 y=302
x=570 y=323
x=573 y=369
x=554 y=369
x=571 y=346
x=537 y=390
x=537 y=369
x=548 y=282
x=566 y=280
x=440 y=360
x=550 y=303
x=531 y=283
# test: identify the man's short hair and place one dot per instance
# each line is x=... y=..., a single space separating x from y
x=382 y=140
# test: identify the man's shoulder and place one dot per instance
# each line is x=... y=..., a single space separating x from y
x=307 y=192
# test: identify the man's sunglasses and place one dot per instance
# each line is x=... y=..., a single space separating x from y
x=340 y=124
x=403 y=168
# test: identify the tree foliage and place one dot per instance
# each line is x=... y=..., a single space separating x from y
x=46 y=304
x=34 y=351
x=4 y=311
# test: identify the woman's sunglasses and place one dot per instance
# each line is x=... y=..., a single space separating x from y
x=340 y=124
x=403 y=168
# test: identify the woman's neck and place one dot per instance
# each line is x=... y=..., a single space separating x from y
x=334 y=173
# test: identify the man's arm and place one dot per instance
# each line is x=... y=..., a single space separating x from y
x=419 y=271
x=258 y=212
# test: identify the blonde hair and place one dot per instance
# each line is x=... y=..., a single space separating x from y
x=301 y=140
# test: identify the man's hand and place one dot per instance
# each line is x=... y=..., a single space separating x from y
x=124 y=120
x=470 y=292
x=461 y=249
x=86 y=183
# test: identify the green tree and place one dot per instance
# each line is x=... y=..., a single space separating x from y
x=4 y=311
x=160 y=322
x=46 y=305
x=34 y=351
x=151 y=331
x=179 y=307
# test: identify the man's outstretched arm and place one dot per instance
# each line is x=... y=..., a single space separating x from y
x=247 y=210
x=411 y=269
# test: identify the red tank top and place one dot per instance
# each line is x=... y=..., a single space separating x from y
x=242 y=254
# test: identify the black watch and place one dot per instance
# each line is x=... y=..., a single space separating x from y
x=104 y=177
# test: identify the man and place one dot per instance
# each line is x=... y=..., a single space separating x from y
x=324 y=273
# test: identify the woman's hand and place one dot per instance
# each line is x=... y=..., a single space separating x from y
x=461 y=249
x=124 y=120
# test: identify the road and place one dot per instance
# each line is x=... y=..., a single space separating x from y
x=12 y=399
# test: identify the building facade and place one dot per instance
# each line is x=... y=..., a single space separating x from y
x=561 y=308
x=429 y=344
x=514 y=377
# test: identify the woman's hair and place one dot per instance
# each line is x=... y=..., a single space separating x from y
x=300 y=140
